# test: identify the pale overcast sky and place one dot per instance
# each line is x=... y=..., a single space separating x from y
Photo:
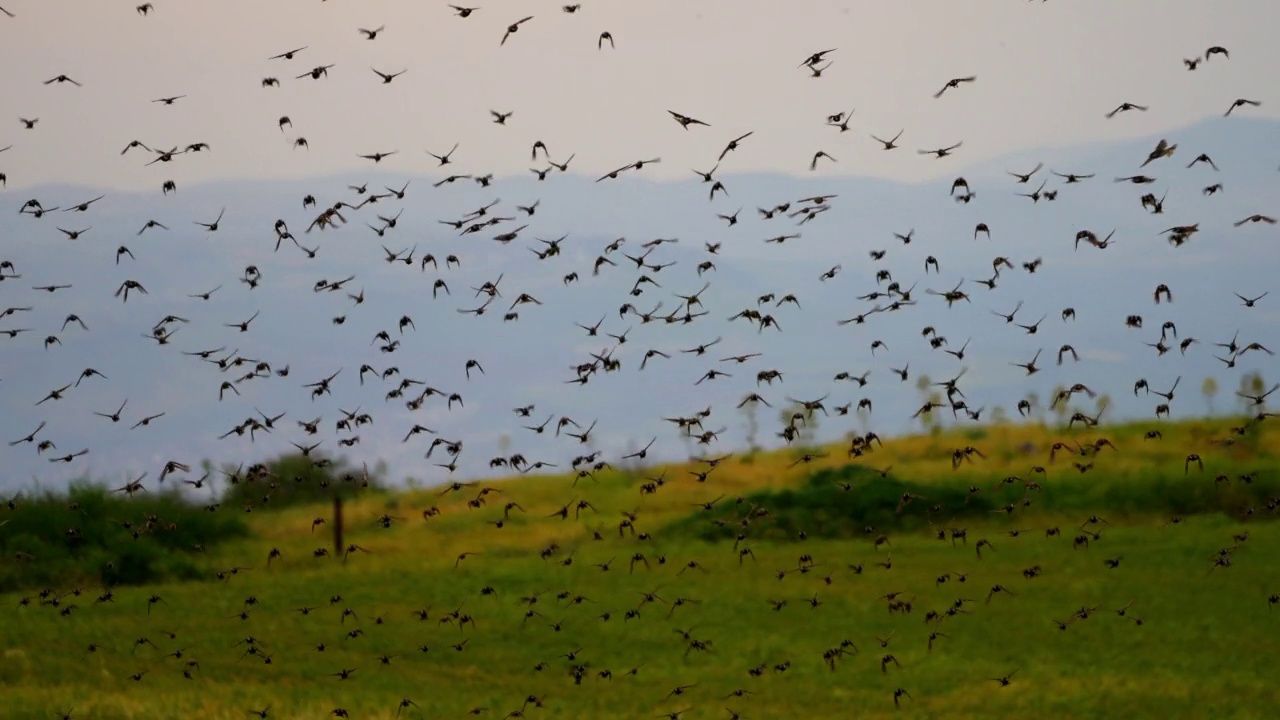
x=1047 y=72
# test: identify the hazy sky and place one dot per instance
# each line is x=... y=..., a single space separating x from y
x=1047 y=73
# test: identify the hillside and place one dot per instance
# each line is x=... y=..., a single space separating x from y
x=671 y=604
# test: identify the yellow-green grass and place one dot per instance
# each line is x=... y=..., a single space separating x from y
x=1207 y=645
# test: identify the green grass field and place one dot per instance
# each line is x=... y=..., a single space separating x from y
x=1195 y=642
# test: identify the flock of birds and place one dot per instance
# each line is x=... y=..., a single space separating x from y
x=380 y=208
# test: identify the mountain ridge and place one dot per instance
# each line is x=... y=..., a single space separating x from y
x=529 y=360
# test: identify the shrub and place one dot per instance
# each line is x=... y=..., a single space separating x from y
x=823 y=508
x=853 y=500
x=88 y=535
x=293 y=480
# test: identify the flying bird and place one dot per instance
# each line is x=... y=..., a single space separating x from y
x=512 y=29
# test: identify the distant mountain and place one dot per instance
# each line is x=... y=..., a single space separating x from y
x=530 y=360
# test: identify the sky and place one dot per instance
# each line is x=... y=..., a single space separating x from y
x=1047 y=72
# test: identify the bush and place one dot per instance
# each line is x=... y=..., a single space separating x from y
x=824 y=508
x=89 y=535
x=293 y=480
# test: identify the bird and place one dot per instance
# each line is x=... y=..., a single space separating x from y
x=940 y=152
x=1256 y=218
x=61 y=79
x=1024 y=178
x=733 y=145
x=288 y=55
x=379 y=156
x=213 y=226
x=954 y=83
x=1162 y=150
x=889 y=144
x=1126 y=107
x=1239 y=103
x=445 y=158
x=685 y=121
x=388 y=77
x=511 y=29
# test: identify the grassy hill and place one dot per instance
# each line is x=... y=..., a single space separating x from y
x=538 y=595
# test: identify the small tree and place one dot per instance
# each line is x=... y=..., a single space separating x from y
x=1209 y=389
x=295 y=479
x=1062 y=410
x=690 y=444
x=806 y=428
x=923 y=384
x=1250 y=384
x=928 y=394
x=752 y=422
x=930 y=420
x=1101 y=404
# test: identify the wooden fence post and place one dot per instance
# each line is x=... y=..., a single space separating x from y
x=337 y=525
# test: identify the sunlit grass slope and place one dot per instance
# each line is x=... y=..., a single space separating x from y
x=835 y=568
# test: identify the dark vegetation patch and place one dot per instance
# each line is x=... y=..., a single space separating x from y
x=854 y=500
x=89 y=537
x=295 y=480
